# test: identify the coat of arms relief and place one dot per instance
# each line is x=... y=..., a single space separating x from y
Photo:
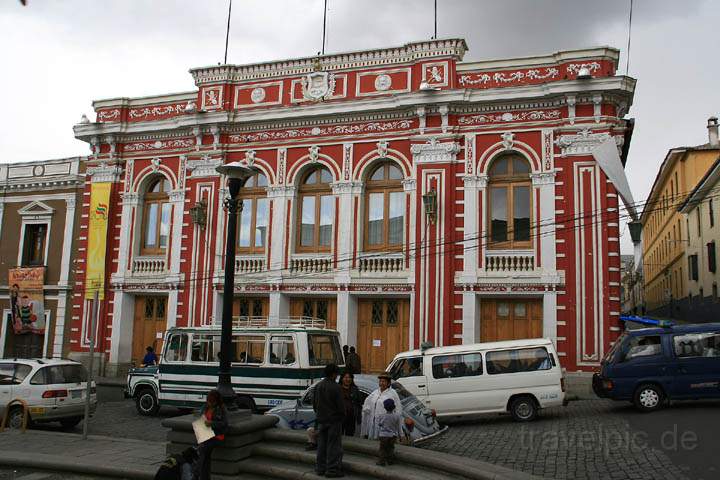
x=318 y=85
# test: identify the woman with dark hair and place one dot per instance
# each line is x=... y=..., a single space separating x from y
x=216 y=417
x=352 y=402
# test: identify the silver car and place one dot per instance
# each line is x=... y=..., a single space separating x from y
x=420 y=423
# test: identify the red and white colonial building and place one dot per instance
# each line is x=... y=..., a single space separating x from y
x=522 y=240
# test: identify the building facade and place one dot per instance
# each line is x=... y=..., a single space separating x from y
x=665 y=228
x=38 y=234
x=402 y=195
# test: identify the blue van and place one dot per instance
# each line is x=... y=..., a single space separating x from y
x=649 y=366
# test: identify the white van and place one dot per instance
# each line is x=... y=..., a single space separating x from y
x=516 y=376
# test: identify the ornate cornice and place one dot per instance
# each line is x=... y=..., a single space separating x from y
x=583 y=142
x=205 y=167
x=280 y=191
x=435 y=152
x=544 y=178
x=475 y=181
x=104 y=173
x=347 y=187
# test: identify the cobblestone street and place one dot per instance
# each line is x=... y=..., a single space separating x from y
x=595 y=439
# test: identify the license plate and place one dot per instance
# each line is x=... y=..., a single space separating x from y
x=274 y=402
x=37 y=410
x=76 y=394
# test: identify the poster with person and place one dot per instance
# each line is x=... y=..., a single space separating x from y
x=27 y=299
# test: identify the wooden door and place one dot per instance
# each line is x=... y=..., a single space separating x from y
x=251 y=307
x=510 y=319
x=149 y=326
x=321 y=308
x=382 y=331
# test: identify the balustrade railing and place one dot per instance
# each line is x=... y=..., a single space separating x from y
x=249 y=264
x=509 y=261
x=311 y=264
x=381 y=264
x=148 y=266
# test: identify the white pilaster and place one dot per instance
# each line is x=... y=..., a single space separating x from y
x=63 y=284
x=550 y=316
x=346 y=192
x=545 y=183
x=279 y=307
x=177 y=200
x=347 y=305
x=474 y=185
x=122 y=328
x=130 y=201
x=279 y=197
x=471 y=318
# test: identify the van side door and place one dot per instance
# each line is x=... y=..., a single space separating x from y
x=697 y=373
x=644 y=358
x=409 y=371
x=455 y=381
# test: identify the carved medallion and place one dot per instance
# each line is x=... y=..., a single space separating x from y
x=318 y=85
x=257 y=95
x=383 y=82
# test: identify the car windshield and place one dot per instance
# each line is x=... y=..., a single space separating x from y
x=611 y=353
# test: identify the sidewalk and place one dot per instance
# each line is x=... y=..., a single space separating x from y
x=104 y=456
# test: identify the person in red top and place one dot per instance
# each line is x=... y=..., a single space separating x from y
x=216 y=417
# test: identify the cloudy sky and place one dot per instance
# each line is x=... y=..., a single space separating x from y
x=58 y=56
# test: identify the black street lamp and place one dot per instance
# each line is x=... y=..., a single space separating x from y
x=236 y=174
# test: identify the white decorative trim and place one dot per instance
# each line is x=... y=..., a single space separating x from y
x=205 y=167
x=526 y=116
x=544 y=178
x=104 y=173
x=581 y=143
x=408 y=185
x=387 y=91
x=435 y=152
x=436 y=78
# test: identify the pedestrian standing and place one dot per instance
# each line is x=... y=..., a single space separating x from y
x=353 y=403
x=150 y=357
x=346 y=350
x=329 y=413
x=373 y=407
x=352 y=362
x=390 y=424
x=216 y=417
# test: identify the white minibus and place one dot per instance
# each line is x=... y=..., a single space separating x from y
x=516 y=376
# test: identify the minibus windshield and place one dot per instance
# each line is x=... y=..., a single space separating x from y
x=324 y=349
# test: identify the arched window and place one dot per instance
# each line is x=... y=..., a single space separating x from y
x=384 y=208
x=253 y=221
x=156 y=218
x=510 y=204
x=316 y=211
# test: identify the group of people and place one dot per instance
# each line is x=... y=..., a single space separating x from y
x=352 y=360
x=338 y=412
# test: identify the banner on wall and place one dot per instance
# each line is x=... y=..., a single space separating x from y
x=27 y=301
x=97 y=239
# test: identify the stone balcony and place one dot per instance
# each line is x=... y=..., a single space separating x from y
x=145 y=266
x=249 y=264
x=509 y=262
x=311 y=264
x=381 y=263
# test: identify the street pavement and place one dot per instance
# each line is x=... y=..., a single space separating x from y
x=27 y=474
x=588 y=439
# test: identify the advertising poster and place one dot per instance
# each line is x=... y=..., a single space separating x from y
x=97 y=239
x=27 y=299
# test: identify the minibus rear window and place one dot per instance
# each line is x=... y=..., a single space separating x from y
x=516 y=361
x=323 y=350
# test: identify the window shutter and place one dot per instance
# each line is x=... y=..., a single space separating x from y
x=711 y=256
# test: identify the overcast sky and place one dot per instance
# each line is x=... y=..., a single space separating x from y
x=59 y=56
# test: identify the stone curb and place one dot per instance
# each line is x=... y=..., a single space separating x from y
x=57 y=463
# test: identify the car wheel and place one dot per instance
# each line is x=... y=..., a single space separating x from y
x=70 y=423
x=15 y=418
x=523 y=409
x=146 y=402
x=648 y=397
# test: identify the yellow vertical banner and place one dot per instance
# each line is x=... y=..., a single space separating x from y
x=97 y=239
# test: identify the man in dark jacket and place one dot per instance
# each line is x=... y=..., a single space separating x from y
x=329 y=413
x=352 y=362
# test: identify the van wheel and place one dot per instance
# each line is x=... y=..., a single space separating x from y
x=523 y=409
x=648 y=397
x=15 y=418
x=146 y=402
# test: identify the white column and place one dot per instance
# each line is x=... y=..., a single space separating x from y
x=545 y=183
x=177 y=200
x=279 y=307
x=409 y=185
x=471 y=318
x=550 y=316
x=130 y=202
x=279 y=197
x=64 y=287
x=474 y=185
x=346 y=193
x=347 y=306
x=122 y=328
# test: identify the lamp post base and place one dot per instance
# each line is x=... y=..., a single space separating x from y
x=226 y=391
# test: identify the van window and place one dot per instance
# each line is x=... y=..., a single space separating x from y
x=460 y=365
x=324 y=349
x=408 y=367
x=516 y=361
x=249 y=349
x=176 y=350
x=643 y=347
x=697 y=345
x=205 y=348
x=6 y=373
x=282 y=350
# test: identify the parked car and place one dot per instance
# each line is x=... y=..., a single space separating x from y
x=273 y=362
x=518 y=376
x=53 y=389
x=650 y=366
x=420 y=423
